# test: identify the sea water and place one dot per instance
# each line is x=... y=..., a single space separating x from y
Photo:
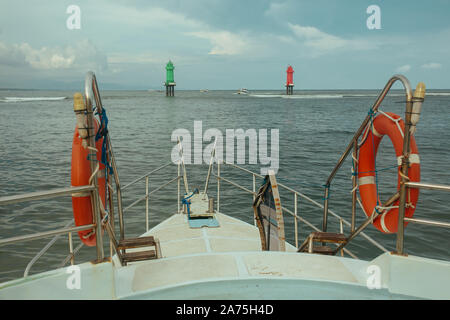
x=314 y=129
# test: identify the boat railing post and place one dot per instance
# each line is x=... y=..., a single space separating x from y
x=254 y=194
x=178 y=187
x=146 y=203
x=218 y=186
x=254 y=186
x=419 y=94
x=110 y=203
x=119 y=197
x=72 y=257
x=92 y=93
x=211 y=162
x=180 y=147
x=94 y=168
x=295 y=220
x=354 y=183
x=325 y=208
x=341 y=229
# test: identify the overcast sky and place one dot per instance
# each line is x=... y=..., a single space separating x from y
x=224 y=44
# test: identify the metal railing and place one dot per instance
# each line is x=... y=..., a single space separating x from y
x=411 y=100
x=146 y=197
x=294 y=213
x=68 y=229
x=56 y=232
x=92 y=96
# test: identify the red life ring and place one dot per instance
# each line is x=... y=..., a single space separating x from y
x=80 y=174
x=391 y=125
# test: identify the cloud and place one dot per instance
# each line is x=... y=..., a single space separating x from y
x=223 y=42
x=147 y=17
x=404 y=68
x=321 y=42
x=431 y=65
x=276 y=9
x=83 y=55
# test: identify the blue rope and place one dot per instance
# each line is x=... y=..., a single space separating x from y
x=187 y=203
x=102 y=133
x=327 y=186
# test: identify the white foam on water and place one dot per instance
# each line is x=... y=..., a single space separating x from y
x=266 y=95
x=304 y=96
x=438 y=94
x=314 y=96
x=25 y=99
x=337 y=96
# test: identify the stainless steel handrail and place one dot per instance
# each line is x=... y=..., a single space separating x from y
x=92 y=93
x=296 y=193
x=38 y=195
x=429 y=222
x=40 y=235
x=44 y=250
x=147 y=195
x=91 y=86
x=145 y=175
x=296 y=216
x=353 y=141
x=429 y=186
x=368 y=238
x=67 y=230
x=404 y=183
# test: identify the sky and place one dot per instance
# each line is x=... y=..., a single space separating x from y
x=224 y=44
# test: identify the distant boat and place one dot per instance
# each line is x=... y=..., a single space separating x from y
x=242 y=91
x=204 y=90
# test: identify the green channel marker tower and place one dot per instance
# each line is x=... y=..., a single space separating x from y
x=170 y=82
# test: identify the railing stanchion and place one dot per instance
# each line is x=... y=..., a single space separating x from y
x=118 y=191
x=404 y=171
x=146 y=203
x=325 y=208
x=254 y=186
x=254 y=196
x=354 y=183
x=341 y=229
x=218 y=186
x=178 y=187
x=95 y=199
x=72 y=258
x=296 y=221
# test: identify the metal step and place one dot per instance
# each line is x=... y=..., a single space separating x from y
x=136 y=242
x=328 y=237
x=138 y=256
x=323 y=237
x=320 y=250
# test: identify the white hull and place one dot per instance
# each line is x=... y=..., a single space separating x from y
x=227 y=263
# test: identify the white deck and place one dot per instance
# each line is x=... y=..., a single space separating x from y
x=227 y=263
x=233 y=235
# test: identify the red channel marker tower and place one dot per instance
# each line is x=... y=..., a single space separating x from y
x=290 y=81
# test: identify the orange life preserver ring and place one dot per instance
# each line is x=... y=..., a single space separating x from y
x=80 y=174
x=386 y=124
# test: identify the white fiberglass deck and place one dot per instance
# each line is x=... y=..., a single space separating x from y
x=227 y=263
